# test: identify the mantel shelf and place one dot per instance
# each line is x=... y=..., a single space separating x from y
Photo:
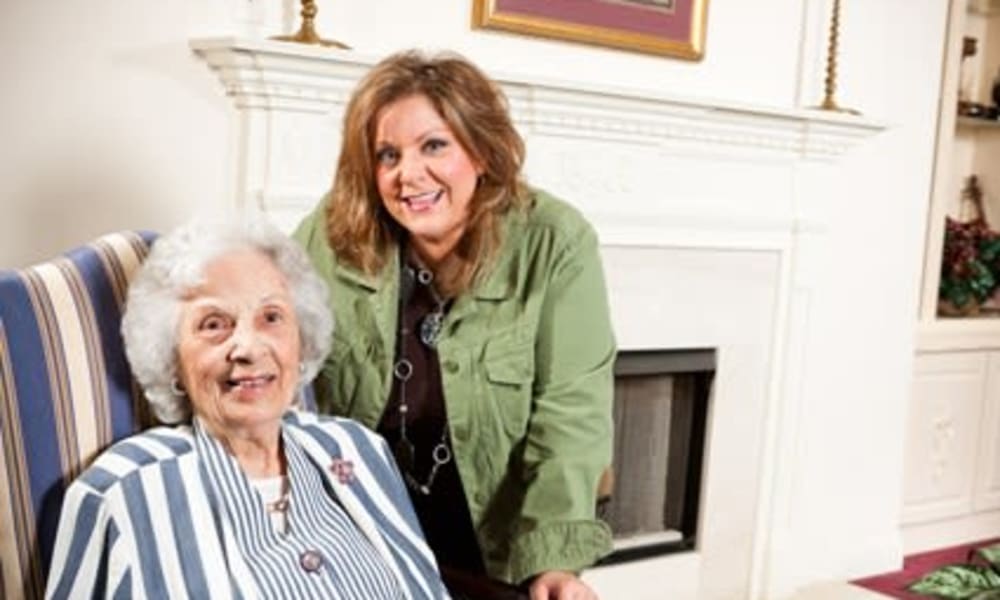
x=267 y=75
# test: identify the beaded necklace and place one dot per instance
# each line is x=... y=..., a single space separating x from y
x=402 y=371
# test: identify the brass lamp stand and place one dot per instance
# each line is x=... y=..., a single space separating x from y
x=307 y=32
x=831 y=66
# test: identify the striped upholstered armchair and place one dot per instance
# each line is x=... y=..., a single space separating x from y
x=66 y=394
x=65 y=391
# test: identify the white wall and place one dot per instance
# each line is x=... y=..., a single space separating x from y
x=751 y=54
x=109 y=121
x=857 y=359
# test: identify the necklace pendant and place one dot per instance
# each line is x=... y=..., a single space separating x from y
x=430 y=328
x=278 y=506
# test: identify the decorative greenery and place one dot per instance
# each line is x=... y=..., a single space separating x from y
x=972 y=581
x=970 y=266
x=970 y=269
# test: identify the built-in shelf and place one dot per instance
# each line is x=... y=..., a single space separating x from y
x=965 y=145
x=974 y=122
x=986 y=8
x=958 y=334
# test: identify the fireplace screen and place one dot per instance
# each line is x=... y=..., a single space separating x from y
x=660 y=412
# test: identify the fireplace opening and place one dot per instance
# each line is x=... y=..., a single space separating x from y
x=660 y=413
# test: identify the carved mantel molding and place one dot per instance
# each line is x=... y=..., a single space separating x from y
x=279 y=76
x=290 y=99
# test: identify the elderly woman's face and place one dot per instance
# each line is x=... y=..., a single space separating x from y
x=425 y=177
x=238 y=344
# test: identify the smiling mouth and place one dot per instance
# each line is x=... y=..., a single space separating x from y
x=250 y=383
x=422 y=202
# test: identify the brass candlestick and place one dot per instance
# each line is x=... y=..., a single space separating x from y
x=965 y=104
x=831 y=65
x=307 y=32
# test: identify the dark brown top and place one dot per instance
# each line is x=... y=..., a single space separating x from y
x=444 y=514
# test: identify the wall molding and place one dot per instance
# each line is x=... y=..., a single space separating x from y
x=271 y=75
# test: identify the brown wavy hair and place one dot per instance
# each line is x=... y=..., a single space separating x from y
x=360 y=230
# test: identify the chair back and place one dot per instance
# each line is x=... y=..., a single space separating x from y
x=66 y=391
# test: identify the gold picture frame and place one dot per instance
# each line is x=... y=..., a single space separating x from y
x=663 y=27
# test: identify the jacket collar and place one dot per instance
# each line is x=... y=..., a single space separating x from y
x=499 y=283
x=372 y=283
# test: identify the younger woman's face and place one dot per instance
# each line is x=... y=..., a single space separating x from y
x=424 y=176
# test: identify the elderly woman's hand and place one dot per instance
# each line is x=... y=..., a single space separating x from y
x=560 y=585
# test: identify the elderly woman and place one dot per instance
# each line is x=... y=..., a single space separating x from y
x=242 y=495
x=476 y=335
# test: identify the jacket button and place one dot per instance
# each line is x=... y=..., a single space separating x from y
x=310 y=561
x=451 y=366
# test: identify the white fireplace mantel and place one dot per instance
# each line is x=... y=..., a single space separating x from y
x=278 y=87
x=712 y=217
x=277 y=76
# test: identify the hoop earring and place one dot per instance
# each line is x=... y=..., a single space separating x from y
x=176 y=389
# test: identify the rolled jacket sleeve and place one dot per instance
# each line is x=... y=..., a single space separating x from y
x=569 y=438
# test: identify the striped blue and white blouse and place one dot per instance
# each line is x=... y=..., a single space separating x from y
x=168 y=513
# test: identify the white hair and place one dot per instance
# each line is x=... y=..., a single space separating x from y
x=176 y=264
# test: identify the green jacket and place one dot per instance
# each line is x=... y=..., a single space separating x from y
x=526 y=366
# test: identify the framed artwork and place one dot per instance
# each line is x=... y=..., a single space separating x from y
x=664 y=27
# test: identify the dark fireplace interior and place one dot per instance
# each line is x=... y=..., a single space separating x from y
x=660 y=411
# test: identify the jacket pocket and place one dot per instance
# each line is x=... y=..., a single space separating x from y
x=510 y=370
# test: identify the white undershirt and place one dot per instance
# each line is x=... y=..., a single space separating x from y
x=270 y=489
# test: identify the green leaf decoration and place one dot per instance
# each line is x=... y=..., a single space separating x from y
x=970 y=263
x=990 y=554
x=958 y=582
x=958 y=294
x=990 y=250
x=982 y=282
x=988 y=595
